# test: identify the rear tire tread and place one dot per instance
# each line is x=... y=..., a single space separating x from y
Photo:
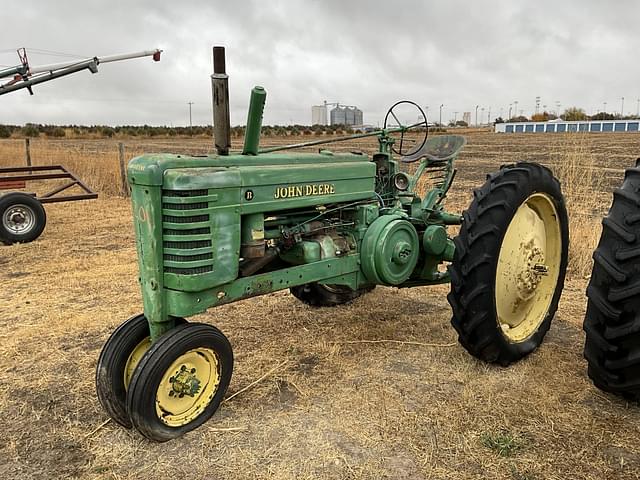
x=612 y=320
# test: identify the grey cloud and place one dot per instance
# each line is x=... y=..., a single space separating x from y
x=370 y=54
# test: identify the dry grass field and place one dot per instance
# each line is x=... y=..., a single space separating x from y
x=376 y=389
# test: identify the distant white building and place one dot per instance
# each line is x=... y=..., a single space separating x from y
x=318 y=115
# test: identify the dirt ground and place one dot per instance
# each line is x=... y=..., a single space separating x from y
x=339 y=403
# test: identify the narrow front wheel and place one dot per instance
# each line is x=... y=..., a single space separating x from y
x=180 y=381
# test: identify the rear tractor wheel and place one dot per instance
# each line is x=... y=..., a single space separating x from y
x=509 y=264
x=612 y=321
x=320 y=295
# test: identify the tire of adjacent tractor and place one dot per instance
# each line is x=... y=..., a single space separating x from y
x=612 y=321
x=509 y=264
x=319 y=295
x=22 y=218
x=117 y=362
x=180 y=381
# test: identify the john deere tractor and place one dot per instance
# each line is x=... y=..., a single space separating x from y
x=329 y=227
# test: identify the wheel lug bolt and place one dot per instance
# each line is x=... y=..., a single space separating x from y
x=193 y=370
x=172 y=379
x=183 y=368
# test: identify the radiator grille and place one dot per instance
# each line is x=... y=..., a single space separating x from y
x=184 y=193
x=189 y=219
x=188 y=258
x=185 y=206
x=189 y=271
x=190 y=231
x=187 y=245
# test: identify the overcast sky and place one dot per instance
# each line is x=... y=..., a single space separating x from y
x=365 y=53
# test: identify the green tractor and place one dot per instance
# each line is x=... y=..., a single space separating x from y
x=329 y=227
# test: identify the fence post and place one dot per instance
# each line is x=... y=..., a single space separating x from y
x=27 y=151
x=123 y=173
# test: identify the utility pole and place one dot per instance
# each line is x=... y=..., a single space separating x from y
x=477 y=115
x=509 y=112
x=515 y=108
x=190 y=122
x=558 y=108
x=442 y=105
x=455 y=118
x=622 y=108
x=537 y=105
x=605 y=108
x=481 y=114
x=489 y=117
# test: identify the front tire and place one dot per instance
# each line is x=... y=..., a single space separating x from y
x=180 y=381
x=118 y=359
x=612 y=320
x=320 y=295
x=509 y=264
x=22 y=218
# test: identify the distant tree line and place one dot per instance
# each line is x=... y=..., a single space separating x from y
x=570 y=114
x=32 y=130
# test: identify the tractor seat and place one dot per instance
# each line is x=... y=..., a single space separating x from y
x=438 y=148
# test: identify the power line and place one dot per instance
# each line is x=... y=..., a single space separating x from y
x=54 y=53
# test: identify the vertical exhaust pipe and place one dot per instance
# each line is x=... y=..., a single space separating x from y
x=220 y=90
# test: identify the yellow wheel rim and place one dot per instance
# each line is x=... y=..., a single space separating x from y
x=528 y=268
x=134 y=359
x=188 y=386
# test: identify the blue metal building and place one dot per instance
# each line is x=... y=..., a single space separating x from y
x=565 y=126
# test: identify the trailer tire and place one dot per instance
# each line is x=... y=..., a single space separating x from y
x=117 y=362
x=180 y=381
x=612 y=320
x=320 y=295
x=509 y=263
x=22 y=218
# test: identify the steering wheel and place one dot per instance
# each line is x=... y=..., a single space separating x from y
x=405 y=128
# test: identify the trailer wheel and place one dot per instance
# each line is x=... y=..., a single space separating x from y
x=118 y=359
x=320 y=295
x=612 y=321
x=180 y=381
x=22 y=218
x=509 y=264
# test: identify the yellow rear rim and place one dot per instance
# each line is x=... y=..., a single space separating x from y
x=134 y=359
x=528 y=268
x=188 y=386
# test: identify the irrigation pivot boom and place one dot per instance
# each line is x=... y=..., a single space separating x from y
x=22 y=216
x=26 y=76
